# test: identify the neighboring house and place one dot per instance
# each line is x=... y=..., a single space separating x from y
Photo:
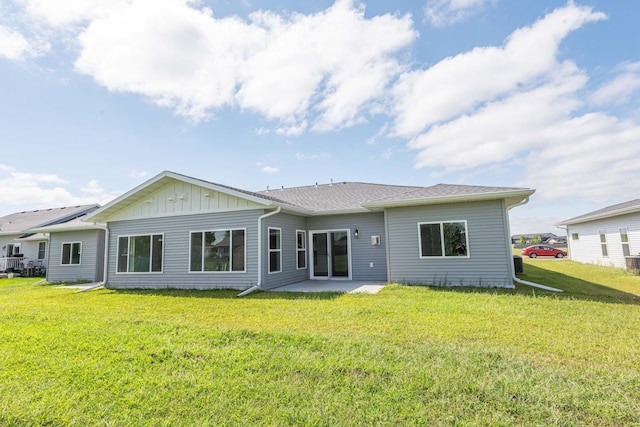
x=21 y=247
x=605 y=236
x=548 y=238
x=181 y=232
x=76 y=251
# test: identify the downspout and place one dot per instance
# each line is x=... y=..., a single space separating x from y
x=259 y=284
x=386 y=245
x=512 y=269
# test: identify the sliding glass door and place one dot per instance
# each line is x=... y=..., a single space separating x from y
x=330 y=254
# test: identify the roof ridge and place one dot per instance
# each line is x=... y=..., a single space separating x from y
x=337 y=183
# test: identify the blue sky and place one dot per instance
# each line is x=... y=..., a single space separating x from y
x=96 y=96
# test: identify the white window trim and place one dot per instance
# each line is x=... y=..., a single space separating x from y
x=70 y=255
x=45 y=251
x=231 y=230
x=466 y=236
x=298 y=250
x=605 y=243
x=626 y=233
x=269 y=250
x=312 y=273
x=128 y=242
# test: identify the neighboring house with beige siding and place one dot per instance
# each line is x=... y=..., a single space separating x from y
x=175 y=231
x=605 y=236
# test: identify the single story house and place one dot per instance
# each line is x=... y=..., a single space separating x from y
x=175 y=231
x=76 y=251
x=21 y=247
x=605 y=236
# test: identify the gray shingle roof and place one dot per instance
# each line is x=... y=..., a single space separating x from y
x=607 y=212
x=74 y=224
x=337 y=196
x=18 y=222
x=334 y=198
x=353 y=195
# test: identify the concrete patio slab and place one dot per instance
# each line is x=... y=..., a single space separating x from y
x=341 y=286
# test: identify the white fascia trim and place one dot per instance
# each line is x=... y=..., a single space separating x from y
x=451 y=199
x=54 y=229
x=610 y=214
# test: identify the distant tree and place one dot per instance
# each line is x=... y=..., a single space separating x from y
x=536 y=239
x=523 y=239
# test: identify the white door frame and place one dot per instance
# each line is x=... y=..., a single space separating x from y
x=328 y=232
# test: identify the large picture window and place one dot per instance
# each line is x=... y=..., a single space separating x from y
x=71 y=253
x=443 y=239
x=275 y=250
x=140 y=254
x=217 y=251
x=301 y=248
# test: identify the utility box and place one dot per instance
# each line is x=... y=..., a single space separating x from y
x=518 y=264
x=633 y=264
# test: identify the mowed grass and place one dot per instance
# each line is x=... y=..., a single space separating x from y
x=406 y=356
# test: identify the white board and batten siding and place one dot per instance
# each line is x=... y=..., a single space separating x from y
x=587 y=248
x=489 y=264
x=176 y=232
x=91 y=265
x=182 y=198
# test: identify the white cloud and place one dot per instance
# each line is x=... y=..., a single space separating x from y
x=13 y=45
x=269 y=169
x=39 y=190
x=292 y=130
x=67 y=12
x=334 y=62
x=621 y=88
x=558 y=153
x=518 y=108
x=461 y=83
x=261 y=131
x=446 y=12
x=323 y=155
x=285 y=67
x=501 y=129
x=592 y=157
x=138 y=174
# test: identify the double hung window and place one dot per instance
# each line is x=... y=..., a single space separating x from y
x=624 y=238
x=603 y=243
x=301 y=248
x=275 y=250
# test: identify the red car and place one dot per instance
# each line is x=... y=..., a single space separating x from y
x=542 y=250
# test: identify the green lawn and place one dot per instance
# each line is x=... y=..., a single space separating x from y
x=407 y=356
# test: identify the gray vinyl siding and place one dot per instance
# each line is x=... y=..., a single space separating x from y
x=488 y=263
x=175 y=269
x=91 y=257
x=288 y=224
x=587 y=248
x=363 y=253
